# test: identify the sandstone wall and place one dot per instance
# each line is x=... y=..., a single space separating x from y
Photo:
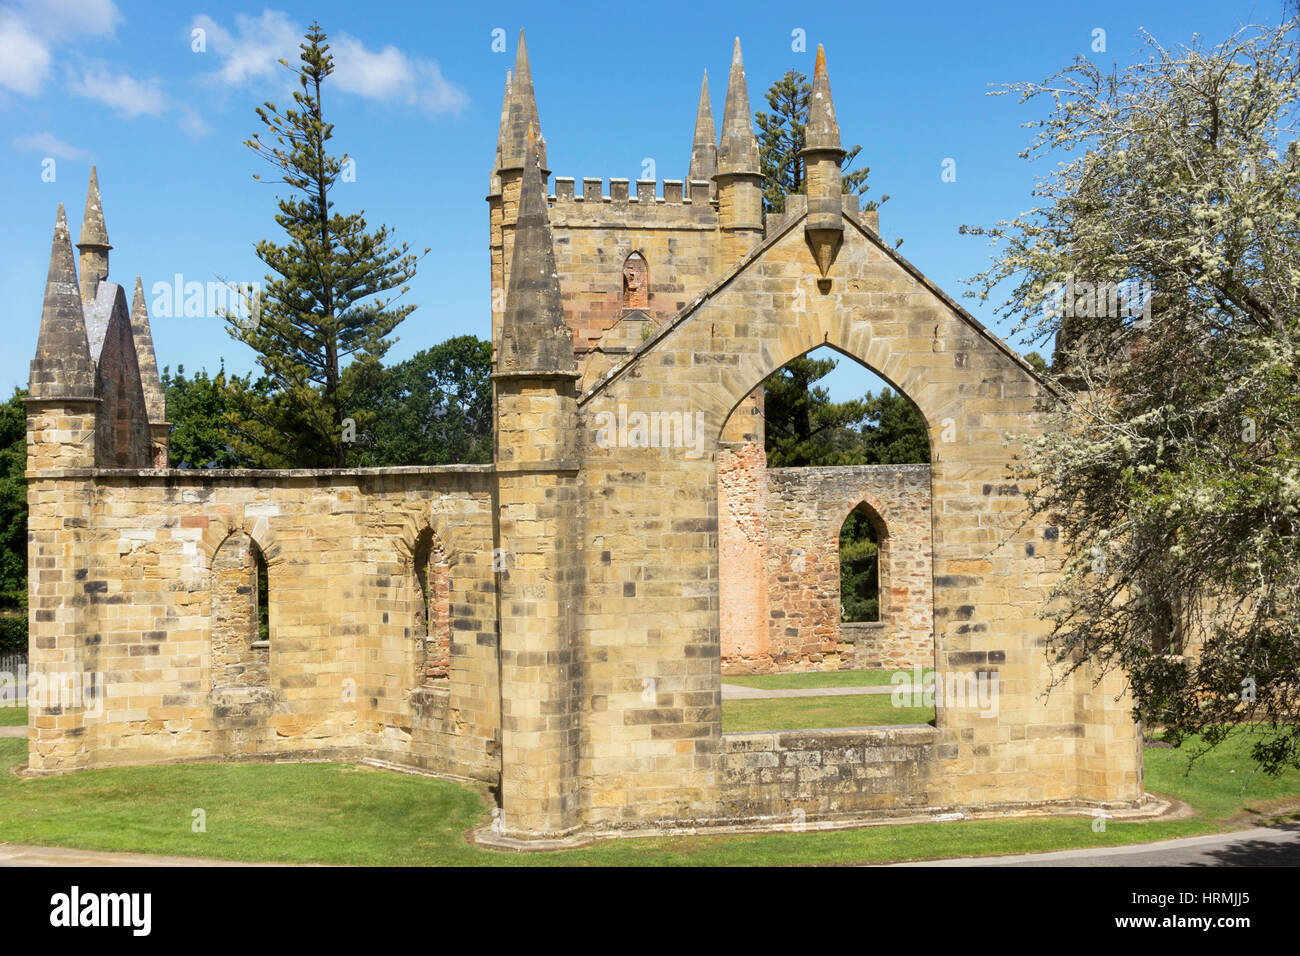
x=796 y=777
x=798 y=515
x=652 y=515
x=124 y=587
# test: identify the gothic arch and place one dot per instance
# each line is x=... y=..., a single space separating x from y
x=920 y=342
x=426 y=569
x=258 y=529
x=875 y=515
x=636 y=282
x=240 y=654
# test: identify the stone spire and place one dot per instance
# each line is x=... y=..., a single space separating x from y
x=522 y=115
x=62 y=366
x=823 y=131
x=822 y=155
x=738 y=151
x=154 y=399
x=739 y=177
x=534 y=336
x=704 y=149
x=94 y=244
x=494 y=183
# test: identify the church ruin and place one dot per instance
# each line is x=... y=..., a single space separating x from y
x=557 y=624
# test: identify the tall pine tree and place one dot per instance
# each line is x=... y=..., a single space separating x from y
x=781 y=138
x=324 y=320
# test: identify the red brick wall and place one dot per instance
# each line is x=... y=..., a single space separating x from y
x=799 y=589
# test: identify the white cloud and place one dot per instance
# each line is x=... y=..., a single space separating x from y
x=131 y=98
x=24 y=57
x=60 y=20
x=127 y=96
x=30 y=29
x=248 y=56
x=47 y=144
x=393 y=76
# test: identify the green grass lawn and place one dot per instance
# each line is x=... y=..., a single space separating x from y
x=815 y=679
x=13 y=716
x=807 y=713
x=334 y=813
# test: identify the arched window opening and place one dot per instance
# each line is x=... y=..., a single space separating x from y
x=636 y=282
x=862 y=577
x=240 y=614
x=811 y=577
x=263 y=596
x=431 y=615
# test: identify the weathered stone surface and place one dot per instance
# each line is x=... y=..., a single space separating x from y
x=555 y=622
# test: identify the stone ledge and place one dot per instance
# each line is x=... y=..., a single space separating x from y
x=893 y=734
x=222 y=474
x=1150 y=807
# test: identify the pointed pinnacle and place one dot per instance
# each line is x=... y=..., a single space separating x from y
x=522 y=111
x=738 y=150
x=62 y=367
x=93 y=231
x=704 y=148
x=823 y=131
x=155 y=400
x=494 y=180
x=534 y=335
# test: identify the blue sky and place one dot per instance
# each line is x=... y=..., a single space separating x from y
x=416 y=101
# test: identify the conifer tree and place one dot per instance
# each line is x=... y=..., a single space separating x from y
x=781 y=137
x=326 y=315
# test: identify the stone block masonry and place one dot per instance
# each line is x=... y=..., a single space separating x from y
x=160 y=599
x=794 y=534
x=586 y=589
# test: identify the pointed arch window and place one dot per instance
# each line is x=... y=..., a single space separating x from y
x=240 y=614
x=864 y=565
x=636 y=282
x=431 y=611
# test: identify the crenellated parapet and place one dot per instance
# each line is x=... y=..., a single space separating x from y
x=645 y=203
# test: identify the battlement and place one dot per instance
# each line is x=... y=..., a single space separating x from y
x=593 y=191
x=681 y=204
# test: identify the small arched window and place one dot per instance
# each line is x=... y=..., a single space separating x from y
x=636 y=282
x=863 y=566
x=431 y=617
x=240 y=614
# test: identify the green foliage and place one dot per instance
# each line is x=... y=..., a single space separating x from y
x=1037 y=363
x=805 y=428
x=199 y=408
x=433 y=409
x=894 y=433
x=13 y=516
x=323 y=324
x=859 y=568
x=781 y=137
x=1169 y=459
x=263 y=597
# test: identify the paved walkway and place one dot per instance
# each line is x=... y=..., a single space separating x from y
x=20 y=731
x=740 y=692
x=1262 y=846
x=12 y=854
